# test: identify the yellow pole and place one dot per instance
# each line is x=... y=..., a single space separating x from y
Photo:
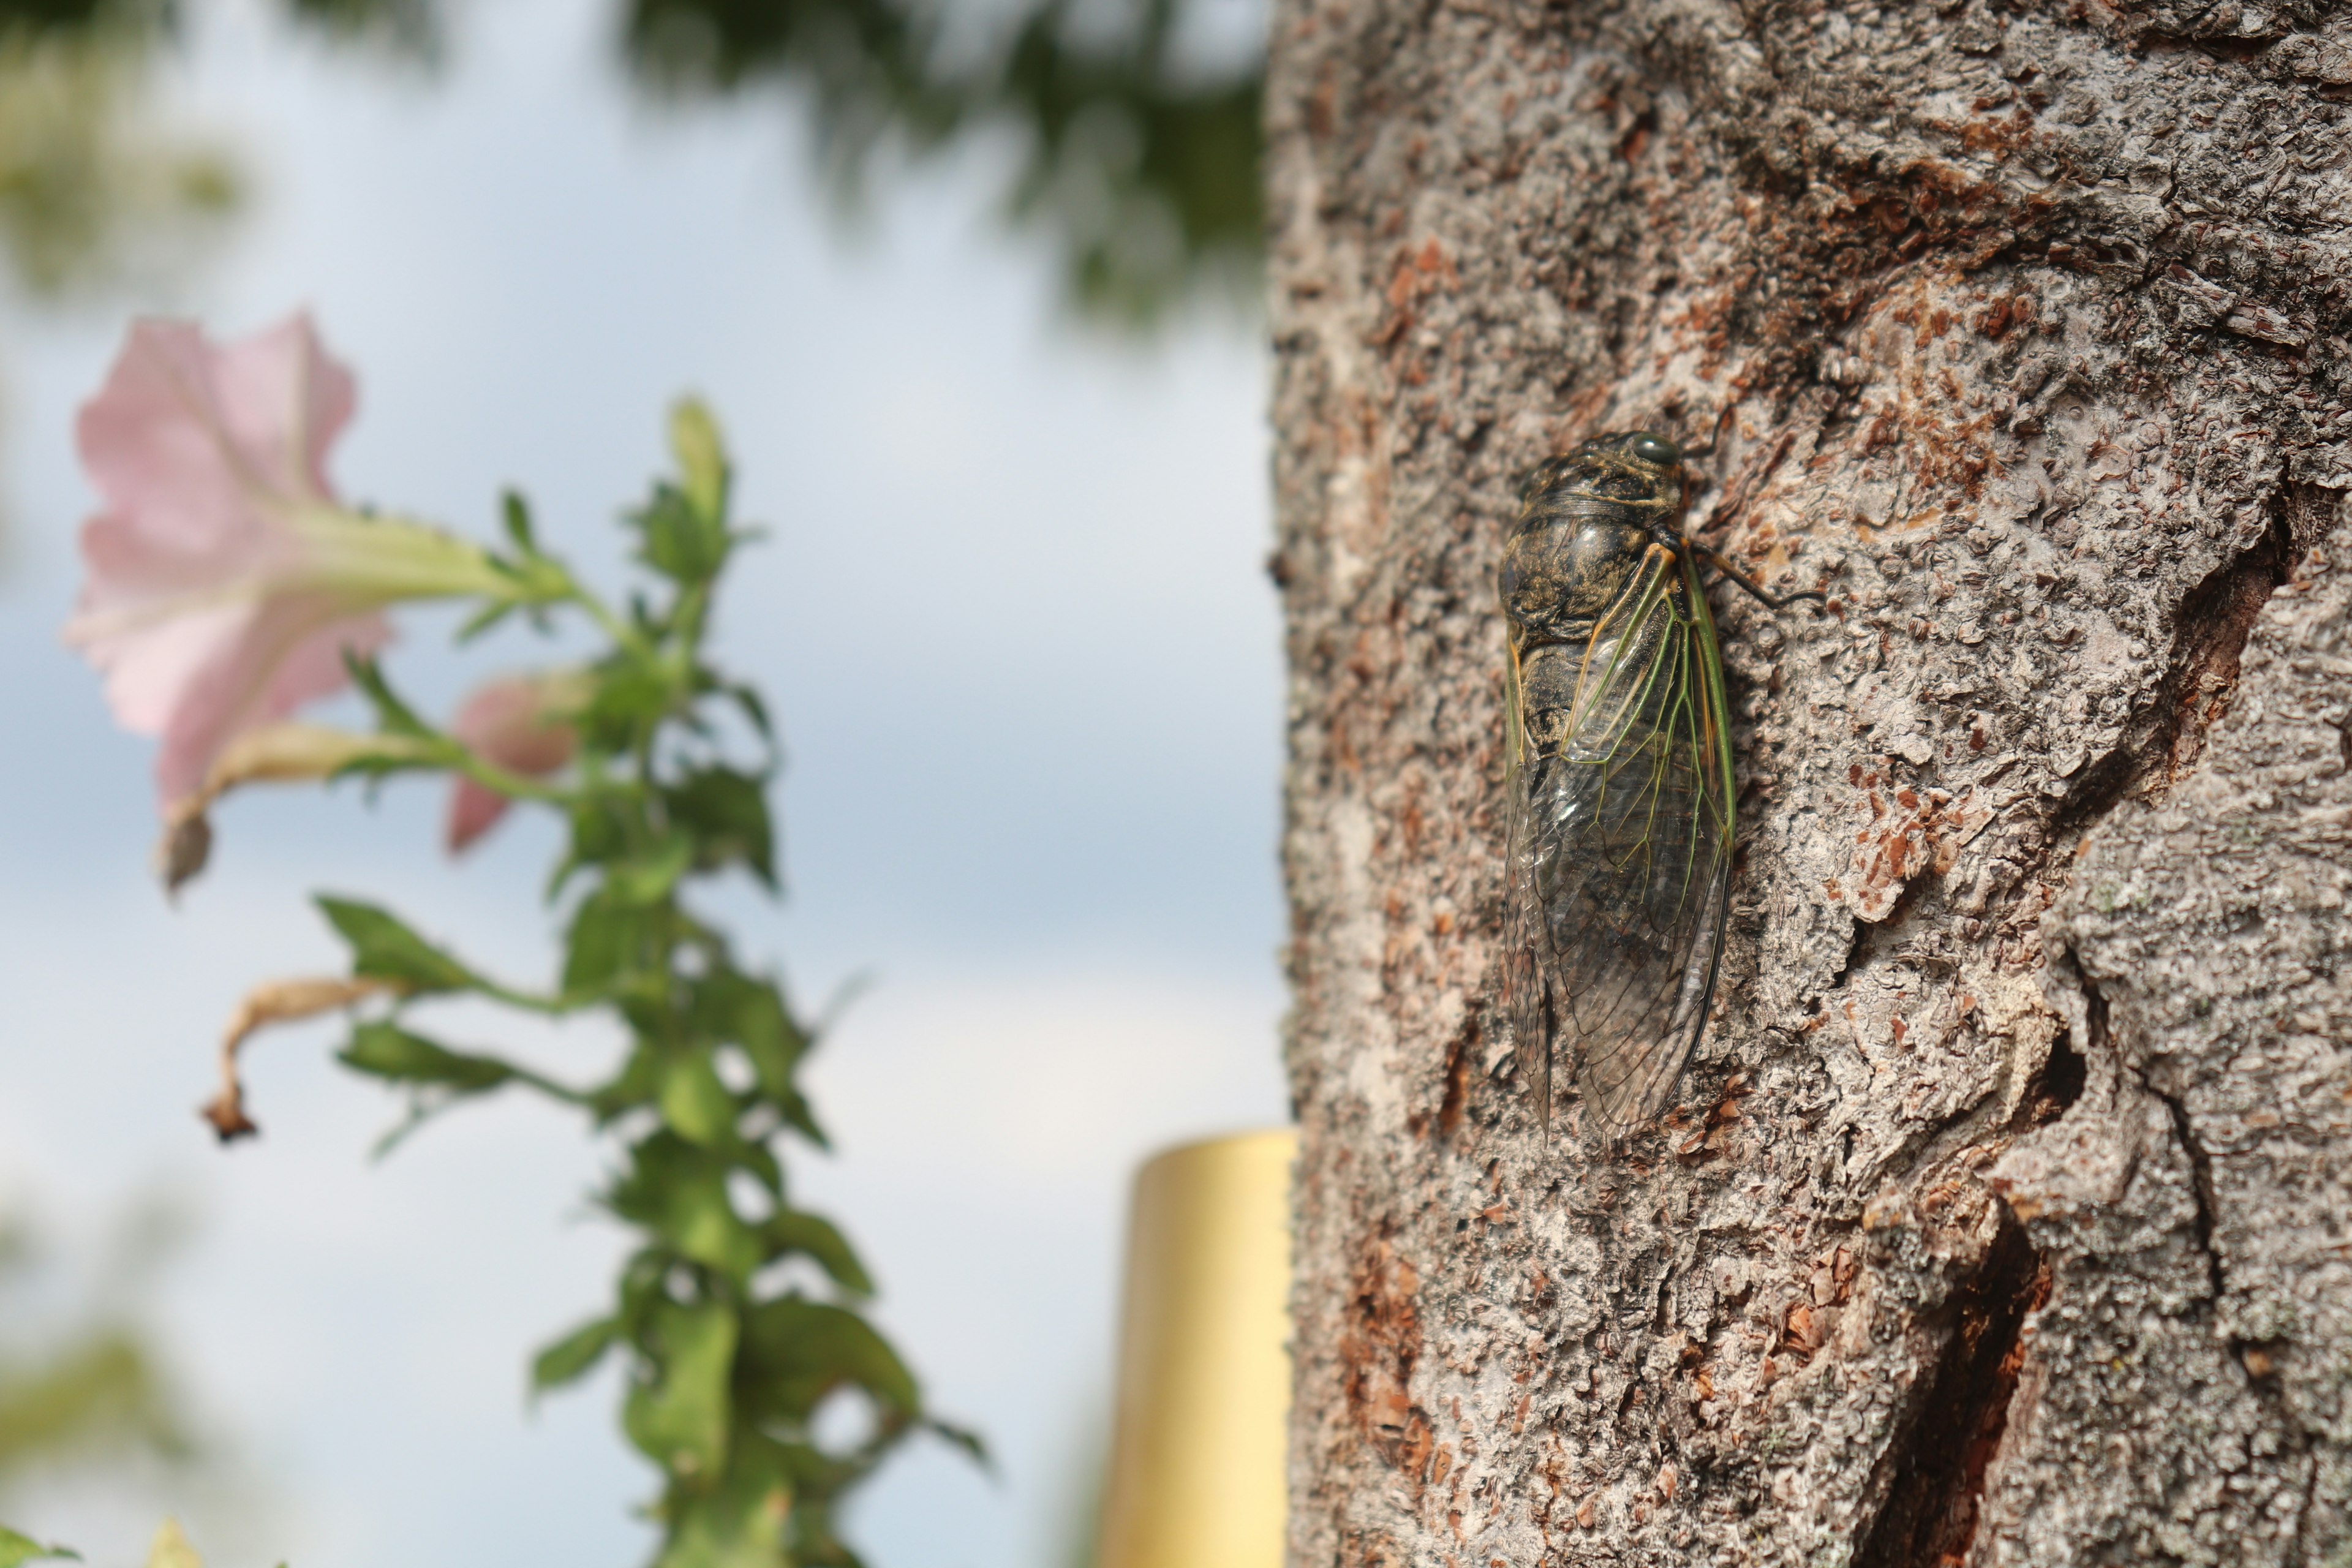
x=1197 y=1454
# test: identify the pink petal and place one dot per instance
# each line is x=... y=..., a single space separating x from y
x=203 y=453
x=272 y=657
x=193 y=446
x=474 y=810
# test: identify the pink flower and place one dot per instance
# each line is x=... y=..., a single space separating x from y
x=225 y=581
x=521 y=723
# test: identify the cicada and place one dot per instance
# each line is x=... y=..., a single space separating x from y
x=1621 y=790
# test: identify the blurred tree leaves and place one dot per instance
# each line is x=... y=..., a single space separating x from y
x=89 y=1391
x=1141 y=162
x=408 y=29
x=1138 y=154
x=93 y=192
x=16 y=1549
x=96 y=1394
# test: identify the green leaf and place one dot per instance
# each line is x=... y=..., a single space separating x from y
x=388 y=1051
x=695 y=442
x=695 y=1104
x=650 y=878
x=607 y=940
x=382 y=947
x=796 y=1352
x=16 y=1549
x=638 y=1083
x=679 y=1417
x=630 y=694
x=732 y=1005
x=643 y=1279
x=572 y=1357
x=727 y=814
x=816 y=1238
x=742 y=1523
x=392 y=715
x=963 y=1437
x=754 y=708
x=760 y=1164
x=600 y=832
x=483 y=619
x=753 y=1014
x=679 y=1192
x=680 y=540
x=514 y=514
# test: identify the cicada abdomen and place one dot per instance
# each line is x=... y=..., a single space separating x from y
x=1620 y=782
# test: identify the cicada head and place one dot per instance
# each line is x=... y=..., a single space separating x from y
x=1637 y=467
x=1647 y=445
x=1587 y=521
x=1640 y=459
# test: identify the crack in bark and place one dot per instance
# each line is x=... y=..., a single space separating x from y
x=2058 y=1082
x=1939 y=1464
x=2261 y=1378
x=2201 y=1171
x=2201 y=1162
x=2201 y=677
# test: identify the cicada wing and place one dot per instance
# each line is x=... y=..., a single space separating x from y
x=1523 y=966
x=1631 y=1083
x=1523 y=931
x=1633 y=882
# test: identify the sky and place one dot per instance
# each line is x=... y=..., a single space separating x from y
x=1012 y=614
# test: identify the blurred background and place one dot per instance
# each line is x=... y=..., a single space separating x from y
x=973 y=292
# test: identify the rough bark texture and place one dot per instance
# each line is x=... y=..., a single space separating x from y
x=2004 y=1217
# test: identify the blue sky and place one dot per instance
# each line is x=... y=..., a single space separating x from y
x=1013 y=616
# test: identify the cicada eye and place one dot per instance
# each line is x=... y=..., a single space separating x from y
x=1655 y=449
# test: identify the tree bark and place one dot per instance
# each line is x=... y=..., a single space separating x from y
x=2004 y=1214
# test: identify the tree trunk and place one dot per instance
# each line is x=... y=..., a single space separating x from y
x=2004 y=1214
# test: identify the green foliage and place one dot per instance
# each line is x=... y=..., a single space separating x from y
x=383 y=949
x=727 y=813
x=170 y=1549
x=575 y=1355
x=102 y=1390
x=94 y=1392
x=1142 y=164
x=16 y=1549
x=731 y=1353
x=93 y=1395
x=409 y=29
x=1138 y=163
x=93 y=192
x=385 y=1051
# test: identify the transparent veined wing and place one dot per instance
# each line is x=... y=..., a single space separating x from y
x=1629 y=823
x=1526 y=935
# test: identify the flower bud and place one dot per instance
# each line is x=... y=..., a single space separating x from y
x=521 y=724
x=701 y=454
